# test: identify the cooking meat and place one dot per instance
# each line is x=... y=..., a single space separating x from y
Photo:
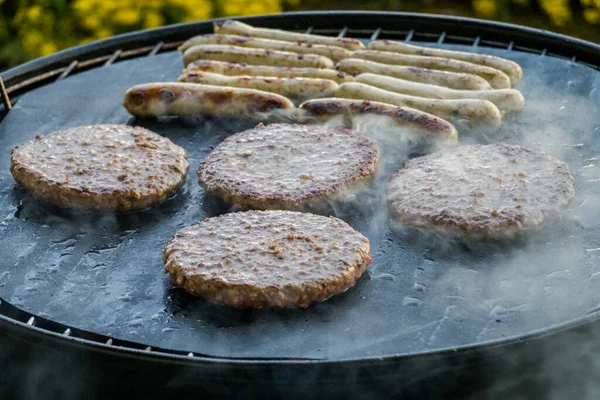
x=298 y=89
x=454 y=80
x=480 y=191
x=267 y=258
x=332 y=52
x=103 y=167
x=496 y=78
x=189 y=99
x=288 y=166
x=508 y=100
x=240 y=28
x=510 y=68
x=427 y=125
x=250 y=55
x=231 y=68
x=470 y=113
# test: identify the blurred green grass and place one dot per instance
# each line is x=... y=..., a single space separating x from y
x=34 y=28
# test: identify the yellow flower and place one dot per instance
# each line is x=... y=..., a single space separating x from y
x=91 y=21
x=557 y=10
x=153 y=19
x=251 y=7
x=102 y=33
x=34 y=13
x=48 y=48
x=485 y=8
x=591 y=15
x=126 y=16
x=84 y=6
x=32 y=40
x=197 y=11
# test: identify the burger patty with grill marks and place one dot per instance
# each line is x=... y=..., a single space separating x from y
x=101 y=167
x=267 y=258
x=288 y=166
x=480 y=191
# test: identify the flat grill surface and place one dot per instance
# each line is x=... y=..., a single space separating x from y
x=104 y=273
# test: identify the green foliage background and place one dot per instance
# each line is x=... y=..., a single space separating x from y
x=33 y=28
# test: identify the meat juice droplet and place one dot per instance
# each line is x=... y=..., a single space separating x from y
x=419 y=287
x=385 y=276
x=411 y=301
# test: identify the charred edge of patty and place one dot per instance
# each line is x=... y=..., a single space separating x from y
x=250 y=296
x=317 y=201
x=65 y=196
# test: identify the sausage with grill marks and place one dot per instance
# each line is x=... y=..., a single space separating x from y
x=430 y=126
x=510 y=68
x=240 y=28
x=188 y=99
x=508 y=100
x=299 y=89
x=250 y=55
x=332 y=52
x=454 y=80
x=234 y=69
x=470 y=113
x=496 y=78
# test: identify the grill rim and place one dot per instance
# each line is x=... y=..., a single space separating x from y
x=104 y=52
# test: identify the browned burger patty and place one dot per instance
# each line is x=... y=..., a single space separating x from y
x=287 y=166
x=109 y=167
x=480 y=191
x=267 y=258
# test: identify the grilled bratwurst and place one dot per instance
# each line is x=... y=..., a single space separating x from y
x=240 y=28
x=102 y=167
x=496 y=78
x=454 y=80
x=188 y=99
x=510 y=68
x=254 y=56
x=297 y=89
x=468 y=112
x=235 y=69
x=428 y=126
x=508 y=100
x=332 y=52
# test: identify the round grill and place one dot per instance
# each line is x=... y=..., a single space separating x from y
x=131 y=321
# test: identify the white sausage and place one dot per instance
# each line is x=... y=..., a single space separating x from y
x=428 y=125
x=510 y=68
x=254 y=56
x=332 y=52
x=454 y=80
x=229 y=68
x=187 y=99
x=240 y=28
x=496 y=78
x=470 y=113
x=508 y=100
x=298 y=89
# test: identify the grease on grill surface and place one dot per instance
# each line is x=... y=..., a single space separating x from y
x=267 y=258
x=287 y=166
x=481 y=190
x=100 y=167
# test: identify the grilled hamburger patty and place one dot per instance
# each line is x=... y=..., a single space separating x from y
x=482 y=191
x=110 y=167
x=267 y=258
x=287 y=166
